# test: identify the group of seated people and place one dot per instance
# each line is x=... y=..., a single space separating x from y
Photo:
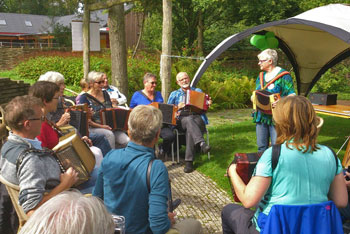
x=306 y=173
x=36 y=120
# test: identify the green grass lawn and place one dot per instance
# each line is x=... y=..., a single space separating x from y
x=232 y=131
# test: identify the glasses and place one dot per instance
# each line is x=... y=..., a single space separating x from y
x=153 y=82
x=56 y=98
x=183 y=79
x=262 y=61
x=42 y=118
x=99 y=82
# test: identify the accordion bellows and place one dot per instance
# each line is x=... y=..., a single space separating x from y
x=71 y=151
x=116 y=118
x=262 y=101
x=197 y=102
x=168 y=111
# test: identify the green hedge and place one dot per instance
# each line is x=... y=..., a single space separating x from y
x=228 y=87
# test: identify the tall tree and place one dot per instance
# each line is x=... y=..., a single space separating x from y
x=165 y=60
x=116 y=25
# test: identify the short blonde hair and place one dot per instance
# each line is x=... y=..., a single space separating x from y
x=144 y=124
x=93 y=76
x=52 y=76
x=296 y=123
x=269 y=54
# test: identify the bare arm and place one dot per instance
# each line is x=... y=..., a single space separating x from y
x=337 y=191
x=249 y=194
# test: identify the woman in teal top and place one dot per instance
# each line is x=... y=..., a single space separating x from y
x=306 y=173
x=274 y=80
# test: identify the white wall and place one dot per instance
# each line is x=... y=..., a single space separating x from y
x=77 y=36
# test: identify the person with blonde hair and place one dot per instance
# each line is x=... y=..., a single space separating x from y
x=306 y=172
x=98 y=99
x=274 y=80
x=70 y=212
x=122 y=180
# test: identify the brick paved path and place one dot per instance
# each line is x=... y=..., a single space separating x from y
x=201 y=197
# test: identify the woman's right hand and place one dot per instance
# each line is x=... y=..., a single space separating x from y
x=106 y=127
x=69 y=178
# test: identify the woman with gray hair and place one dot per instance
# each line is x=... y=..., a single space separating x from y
x=99 y=99
x=70 y=212
x=274 y=80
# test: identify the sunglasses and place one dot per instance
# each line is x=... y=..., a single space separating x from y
x=99 y=82
x=42 y=118
x=153 y=82
x=262 y=61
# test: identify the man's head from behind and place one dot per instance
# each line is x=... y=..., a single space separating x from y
x=144 y=124
x=72 y=213
x=21 y=110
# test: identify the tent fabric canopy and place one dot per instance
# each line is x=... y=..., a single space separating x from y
x=313 y=41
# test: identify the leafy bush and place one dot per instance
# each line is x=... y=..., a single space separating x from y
x=228 y=87
x=334 y=80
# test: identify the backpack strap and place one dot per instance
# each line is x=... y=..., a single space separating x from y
x=276 y=151
x=336 y=159
x=149 y=167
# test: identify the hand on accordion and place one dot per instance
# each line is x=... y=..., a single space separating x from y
x=65 y=118
x=181 y=105
x=231 y=171
x=69 y=178
x=87 y=140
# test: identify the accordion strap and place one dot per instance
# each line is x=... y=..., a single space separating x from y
x=261 y=75
x=25 y=153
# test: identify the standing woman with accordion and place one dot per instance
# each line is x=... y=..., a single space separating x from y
x=274 y=80
x=99 y=99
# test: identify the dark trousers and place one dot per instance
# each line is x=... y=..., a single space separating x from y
x=194 y=127
x=237 y=220
x=167 y=134
x=345 y=212
x=101 y=142
x=8 y=216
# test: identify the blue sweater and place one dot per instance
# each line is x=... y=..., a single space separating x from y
x=139 y=99
x=121 y=183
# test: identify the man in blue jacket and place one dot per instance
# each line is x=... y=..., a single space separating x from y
x=122 y=185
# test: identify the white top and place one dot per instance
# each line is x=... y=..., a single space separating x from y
x=115 y=94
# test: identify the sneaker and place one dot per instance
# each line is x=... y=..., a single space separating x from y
x=188 y=167
x=205 y=148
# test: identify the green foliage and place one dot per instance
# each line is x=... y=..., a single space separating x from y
x=336 y=79
x=70 y=67
x=152 y=32
x=62 y=35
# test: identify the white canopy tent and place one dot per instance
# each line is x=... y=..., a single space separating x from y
x=313 y=41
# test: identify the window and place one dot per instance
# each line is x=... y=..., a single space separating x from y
x=2 y=22
x=28 y=23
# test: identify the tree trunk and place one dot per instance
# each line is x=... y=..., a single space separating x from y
x=165 y=60
x=200 y=30
x=116 y=24
x=140 y=34
x=86 y=39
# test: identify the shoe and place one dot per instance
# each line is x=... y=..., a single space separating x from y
x=188 y=167
x=205 y=148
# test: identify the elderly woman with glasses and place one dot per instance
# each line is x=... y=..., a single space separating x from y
x=147 y=96
x=274 y=80
x=99 y=99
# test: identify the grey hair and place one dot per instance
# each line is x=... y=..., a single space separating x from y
x=70 y=212
x=147 y=76
x=93 y=76
x=144 y=124
x=269 y=54
x=52 y=76
x=180 y=74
